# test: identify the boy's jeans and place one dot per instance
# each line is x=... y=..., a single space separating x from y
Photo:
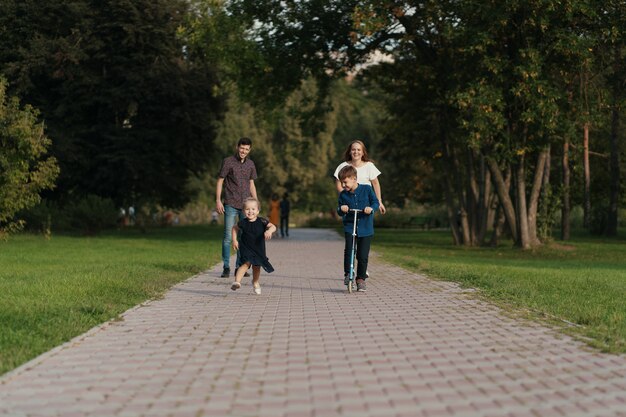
x=362 y=255
x=231 y=216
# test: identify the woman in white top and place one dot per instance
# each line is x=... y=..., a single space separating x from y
x=367 y=173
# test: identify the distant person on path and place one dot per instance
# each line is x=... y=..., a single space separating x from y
x=121 y=217
x=285 y=207
x=362 y=197
x=251 y=244
x=367 y=173
x=274 y=209
x=131 y=215
x=236 y=179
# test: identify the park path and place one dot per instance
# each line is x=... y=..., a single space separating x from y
x=410 y=346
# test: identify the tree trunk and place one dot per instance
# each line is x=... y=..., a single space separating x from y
x=452 y=210
x=484 y=201
x=473 y=198
x=497 y=227
x=503 y=195
x=449 y=174
x=587 y=173
x=546 y=200
x=565 y=206
x=499 y=219
x=533 y=203
x=492 y=205
x=611 y=229
x=546 y=174
x=460 y=190
x=523 y=230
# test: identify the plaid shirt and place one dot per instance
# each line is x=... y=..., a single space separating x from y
x=237 y=175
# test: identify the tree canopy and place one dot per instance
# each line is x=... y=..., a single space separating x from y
x=481 y=95
x=487 y=107
x=25 y=169
x=130 y=106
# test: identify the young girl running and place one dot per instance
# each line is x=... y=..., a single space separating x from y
x=251 y=244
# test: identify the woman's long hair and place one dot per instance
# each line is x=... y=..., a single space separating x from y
x=347 y=155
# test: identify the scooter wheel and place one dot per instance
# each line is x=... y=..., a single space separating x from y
x=350 y=284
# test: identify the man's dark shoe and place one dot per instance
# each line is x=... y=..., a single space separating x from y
x=346 y=279
x=225 y=273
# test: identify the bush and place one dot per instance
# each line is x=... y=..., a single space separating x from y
x=598 y=219
x=88 y=215
x=43 y=218
x=25 y=170
x=325 y=222
x=398 y=218
x=92 y=214
x=548 y=215
x=394 y=218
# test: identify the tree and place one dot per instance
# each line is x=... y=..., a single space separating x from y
x=485 y=132
x=292 y=146
x=613 y=51
x=25 y=170
x=531 y=51
x=294 y=40
x=130 y=105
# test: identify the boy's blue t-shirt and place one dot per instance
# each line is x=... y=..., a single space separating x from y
x=362 y=197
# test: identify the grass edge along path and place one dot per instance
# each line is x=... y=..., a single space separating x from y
x=578 y=286
x=54 y=290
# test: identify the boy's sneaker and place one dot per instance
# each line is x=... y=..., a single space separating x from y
x=346 y=279
x=225 y=273
x=360 y=285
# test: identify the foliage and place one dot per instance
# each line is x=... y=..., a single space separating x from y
x=547 y=217
x=296 y=147
x=599 y=218
x=294 y=41
x=92 y=214
x=539 y=72
x=88 y=215
x=25 y=170
x=131 y=108
x=44 y=218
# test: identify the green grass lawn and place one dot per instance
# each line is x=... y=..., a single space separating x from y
x=582 y=281
x=53 y=290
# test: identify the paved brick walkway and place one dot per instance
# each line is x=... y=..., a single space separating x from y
x=408 y=347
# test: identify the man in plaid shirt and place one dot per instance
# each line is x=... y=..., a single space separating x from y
x=236 y=179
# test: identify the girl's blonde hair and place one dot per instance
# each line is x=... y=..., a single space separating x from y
x=250 y=200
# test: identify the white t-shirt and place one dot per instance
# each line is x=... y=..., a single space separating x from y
x=364 y=174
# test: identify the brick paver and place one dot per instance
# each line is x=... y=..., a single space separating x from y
x=408 y=347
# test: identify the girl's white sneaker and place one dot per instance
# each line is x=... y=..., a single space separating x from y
x=257 y=290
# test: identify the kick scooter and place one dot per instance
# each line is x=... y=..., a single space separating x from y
x=351 y=276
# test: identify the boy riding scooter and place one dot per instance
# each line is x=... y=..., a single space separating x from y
x=360 y=197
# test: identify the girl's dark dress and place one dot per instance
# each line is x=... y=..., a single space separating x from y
x=252 y=243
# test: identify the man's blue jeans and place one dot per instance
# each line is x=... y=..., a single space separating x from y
x=231 y=216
